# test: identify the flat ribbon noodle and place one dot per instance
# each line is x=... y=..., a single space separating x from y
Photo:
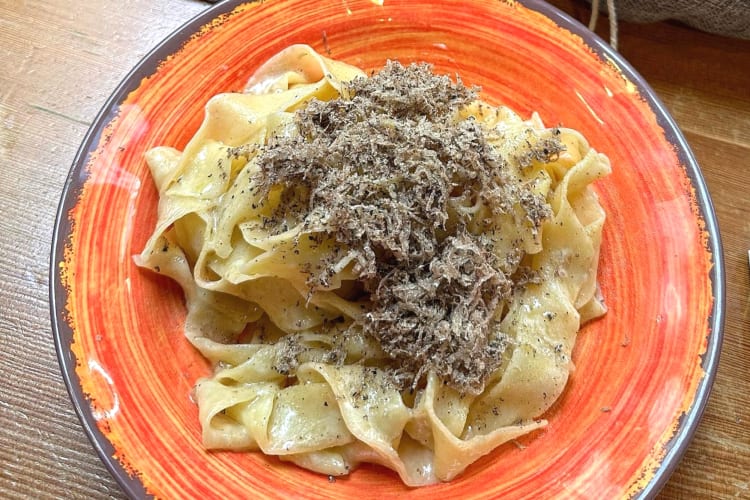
x=249 y=303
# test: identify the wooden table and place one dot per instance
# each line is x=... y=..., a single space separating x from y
x=59 y=62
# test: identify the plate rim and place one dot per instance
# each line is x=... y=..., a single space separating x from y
x=674 y=449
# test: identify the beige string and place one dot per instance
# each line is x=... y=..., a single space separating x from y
x=611 y=13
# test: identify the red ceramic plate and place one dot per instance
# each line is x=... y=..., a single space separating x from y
x=643 y=371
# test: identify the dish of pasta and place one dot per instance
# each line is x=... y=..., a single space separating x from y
x=382 y=269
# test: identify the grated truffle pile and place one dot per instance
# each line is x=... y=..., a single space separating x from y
x=382 y=170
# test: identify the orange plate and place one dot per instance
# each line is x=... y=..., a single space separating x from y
x=643 y=371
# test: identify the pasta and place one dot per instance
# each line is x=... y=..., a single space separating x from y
x=407 y=293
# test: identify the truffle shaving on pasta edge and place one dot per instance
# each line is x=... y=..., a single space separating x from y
x=381 y=269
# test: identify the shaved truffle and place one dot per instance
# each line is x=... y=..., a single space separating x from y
x=383 y=170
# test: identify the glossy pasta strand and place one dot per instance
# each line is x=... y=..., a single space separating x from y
x=278 y=304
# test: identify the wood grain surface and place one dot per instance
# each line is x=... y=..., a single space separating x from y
x=59 y=61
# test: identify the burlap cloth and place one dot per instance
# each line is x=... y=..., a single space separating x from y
x=723 y=17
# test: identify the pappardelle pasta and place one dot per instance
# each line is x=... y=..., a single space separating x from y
x=382 y=269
